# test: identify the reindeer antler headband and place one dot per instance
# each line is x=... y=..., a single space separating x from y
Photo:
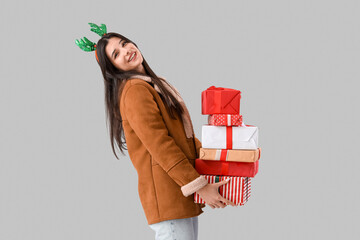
x=88 y=46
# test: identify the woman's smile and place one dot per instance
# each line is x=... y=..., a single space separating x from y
x=132 y=58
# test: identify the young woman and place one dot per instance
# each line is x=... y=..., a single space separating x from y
x=148 y=114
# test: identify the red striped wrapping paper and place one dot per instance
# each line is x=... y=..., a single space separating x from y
x=225 y=119
x=237 y=190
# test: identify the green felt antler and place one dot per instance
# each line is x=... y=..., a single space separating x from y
x=86 y=45
x=100 y=30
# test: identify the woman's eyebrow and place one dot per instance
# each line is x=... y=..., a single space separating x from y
x=114 y=49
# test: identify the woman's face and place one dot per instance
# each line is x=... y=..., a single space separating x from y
x=121 y=54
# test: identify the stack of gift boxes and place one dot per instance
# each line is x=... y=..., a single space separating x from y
x=229 y=147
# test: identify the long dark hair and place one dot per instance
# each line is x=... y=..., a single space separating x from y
x=114 y=80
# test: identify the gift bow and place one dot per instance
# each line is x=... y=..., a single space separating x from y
x=215 y=88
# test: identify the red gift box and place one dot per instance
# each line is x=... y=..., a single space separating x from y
x=225 y=119
x=217 y=100
x=237 y=190
x=227 y=168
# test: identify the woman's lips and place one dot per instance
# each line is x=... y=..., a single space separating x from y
x=135 y=56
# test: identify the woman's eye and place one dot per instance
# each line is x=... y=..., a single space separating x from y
x=124 y=43
x=115 y=55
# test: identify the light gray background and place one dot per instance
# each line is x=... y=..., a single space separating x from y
x=296 y=63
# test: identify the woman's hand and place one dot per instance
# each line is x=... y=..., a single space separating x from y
x=210 y=194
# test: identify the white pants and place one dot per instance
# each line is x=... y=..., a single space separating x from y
x=176 y=229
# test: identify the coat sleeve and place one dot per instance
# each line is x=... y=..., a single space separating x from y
x=198 y=145
x=145 y=119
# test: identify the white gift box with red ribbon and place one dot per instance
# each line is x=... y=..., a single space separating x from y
x=229 y=137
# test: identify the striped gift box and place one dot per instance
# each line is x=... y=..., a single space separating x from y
x=225 y=119
x=237 y=190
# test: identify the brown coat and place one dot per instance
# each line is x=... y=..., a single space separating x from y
x=160 y=152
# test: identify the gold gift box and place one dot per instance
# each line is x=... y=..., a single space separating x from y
x=233 y=155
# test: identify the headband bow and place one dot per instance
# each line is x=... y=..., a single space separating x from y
x=88 y=46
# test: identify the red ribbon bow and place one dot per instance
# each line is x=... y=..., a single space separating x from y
x=215 y=88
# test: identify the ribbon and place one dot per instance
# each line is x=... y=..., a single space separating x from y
x=224 y=168
x=229 y=137
x=223 y=154
x=217 y=98
x=228 y=120
x=217 y=179
x=217 y=101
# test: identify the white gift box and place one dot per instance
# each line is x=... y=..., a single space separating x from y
x=239 y=137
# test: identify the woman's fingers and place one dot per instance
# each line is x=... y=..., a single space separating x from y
x=221 y=205
x=228 y=202
x=221 y=198
x=212 y=206
x=222 y=182
x=216 y=205
x=211 y=195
